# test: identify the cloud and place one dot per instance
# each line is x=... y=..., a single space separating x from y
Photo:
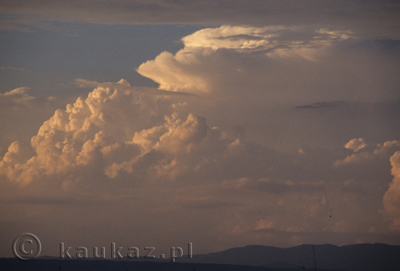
x=204 y=202
x=9 y=26
x=276 y=186
x=372 y=18
x=380 y=151
x=52 y=201
x=83 y=83
x=374 y=157
x=214 y=57
x=391 y=199
x=260 y=39
x=214 y=154
x=22 y=113
x=275 y=41
x=321 y=105
x=16 y=97
x=74 y=138
x=251 y=67
x=110 y=132
x=125 y=86
x=10 y=68
x=126 y=150
x=356 y=144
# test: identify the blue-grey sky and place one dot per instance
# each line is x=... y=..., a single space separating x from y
x=222 y=123
x=62 y=52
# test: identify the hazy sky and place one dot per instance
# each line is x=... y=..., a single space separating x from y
x=222 y=123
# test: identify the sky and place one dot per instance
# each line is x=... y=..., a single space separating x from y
x=221 y=123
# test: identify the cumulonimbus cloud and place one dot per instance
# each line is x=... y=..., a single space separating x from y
x=273 y=65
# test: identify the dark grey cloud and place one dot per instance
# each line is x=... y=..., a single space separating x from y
x=203 y=203
x=376 y=18
x=274 y=186
x=320 y=105
x=52 y=201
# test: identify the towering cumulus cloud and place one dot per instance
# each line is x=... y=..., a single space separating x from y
x=75 y=138
x=391 y=200
x=110 y=131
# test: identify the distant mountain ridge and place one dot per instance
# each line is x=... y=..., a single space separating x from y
x=360 y=257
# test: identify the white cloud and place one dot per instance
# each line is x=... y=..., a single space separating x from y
x=251 y=67
x=238 y=38
x=16 y=97
x=356 y=144
x=83 y=83
x=274 y=41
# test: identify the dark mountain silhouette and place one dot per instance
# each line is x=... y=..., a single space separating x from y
x=362 y=257
x=365 y=257
x=110 y=265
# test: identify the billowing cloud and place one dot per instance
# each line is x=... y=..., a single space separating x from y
x=373 y=156
x=153 y=154
x=243 y=142
x=272 y=65
x=267 y=79
x=109 y=132
x=72 y=138
x=391 y=199
x=272 y=41
x=21 y=113
x=212 y=56
x=380 y=151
